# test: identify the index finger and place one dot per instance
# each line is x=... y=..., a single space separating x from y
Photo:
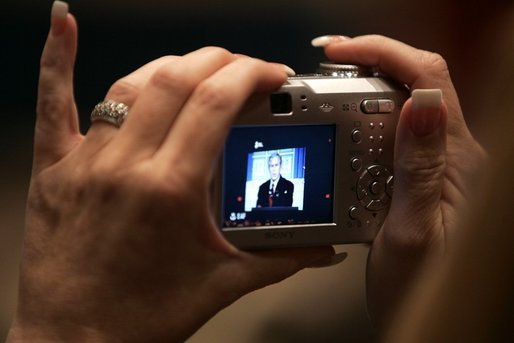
x=414 y=67
x=57 y=127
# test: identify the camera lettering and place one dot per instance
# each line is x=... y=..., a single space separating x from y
x=280 y=235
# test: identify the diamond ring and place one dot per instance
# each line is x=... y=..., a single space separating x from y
x=111 y=112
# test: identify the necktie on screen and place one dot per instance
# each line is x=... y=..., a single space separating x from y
x=271 y=193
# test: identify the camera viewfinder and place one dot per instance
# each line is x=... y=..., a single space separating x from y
x=281 y=103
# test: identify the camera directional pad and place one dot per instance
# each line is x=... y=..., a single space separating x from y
x=374 y=188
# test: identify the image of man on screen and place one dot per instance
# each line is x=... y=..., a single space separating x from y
x=277 y=191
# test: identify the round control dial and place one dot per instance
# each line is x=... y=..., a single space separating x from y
x=343 y=70
x=374 y=188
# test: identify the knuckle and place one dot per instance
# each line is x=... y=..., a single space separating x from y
x=172 y=79
x=219 y=52
x=423 y=168
x=434 y=62
x=376 y=38
x=122 y=90
x=424 y=236
x=51 y=105
x=160 y=193
x=255 y=65
x=378 y=41
x=158 y=184
x=212 y=95
x=166 y=59
x=103 y=180
x=51 y=62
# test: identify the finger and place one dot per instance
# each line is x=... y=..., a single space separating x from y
x=323 y=41
x=413 y=67
x=207 y=116
x=289 y=71
x=125 y=90
x=170 y=86
x=406 y=64
x=57 y=128
x=263 y=268
x=419 y=164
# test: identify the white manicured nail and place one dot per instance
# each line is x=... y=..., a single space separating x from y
x=323 y=41
x=426 y=98
x=426 y=111
x=289 y=71
x=58 y=17
x=59 y=9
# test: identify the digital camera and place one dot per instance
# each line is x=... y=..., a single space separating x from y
x=311 y=164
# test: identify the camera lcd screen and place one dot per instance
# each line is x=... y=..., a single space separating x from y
x=278 y=175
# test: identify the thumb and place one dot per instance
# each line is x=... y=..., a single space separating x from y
x=419 y=166
x=262 y=268
x=57 y=128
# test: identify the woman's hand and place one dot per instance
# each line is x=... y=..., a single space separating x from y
x=435 y=165
x=121 y=244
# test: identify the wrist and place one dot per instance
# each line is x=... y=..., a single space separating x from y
x=165 y=320
x=55 y=333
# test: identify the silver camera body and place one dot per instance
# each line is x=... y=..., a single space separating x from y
x=331 y=137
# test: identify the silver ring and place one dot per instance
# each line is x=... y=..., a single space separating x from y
x=111 y=112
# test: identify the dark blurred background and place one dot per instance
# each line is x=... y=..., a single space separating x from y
x=117 y=36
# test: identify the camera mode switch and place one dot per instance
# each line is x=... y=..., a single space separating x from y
x=374 y=106
x=385 y=105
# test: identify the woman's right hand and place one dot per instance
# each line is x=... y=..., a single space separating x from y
x=435 y=165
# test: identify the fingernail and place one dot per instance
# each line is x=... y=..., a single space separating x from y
x=323 y=41
x=289 y=71
x=328 y=261
x=59 y=13
x=426 y=111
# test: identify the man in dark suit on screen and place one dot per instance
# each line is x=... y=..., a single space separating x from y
x=277 y=191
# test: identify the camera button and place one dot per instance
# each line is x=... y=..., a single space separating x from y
x=385 y=106
x=356 y=136
x=356 y=164
x=375 y=205
x=376 y=170
x=370 y=106
x=361 y=192
x=376 y=188
x=354 y=212
x=374 y=106
x=390 y=186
